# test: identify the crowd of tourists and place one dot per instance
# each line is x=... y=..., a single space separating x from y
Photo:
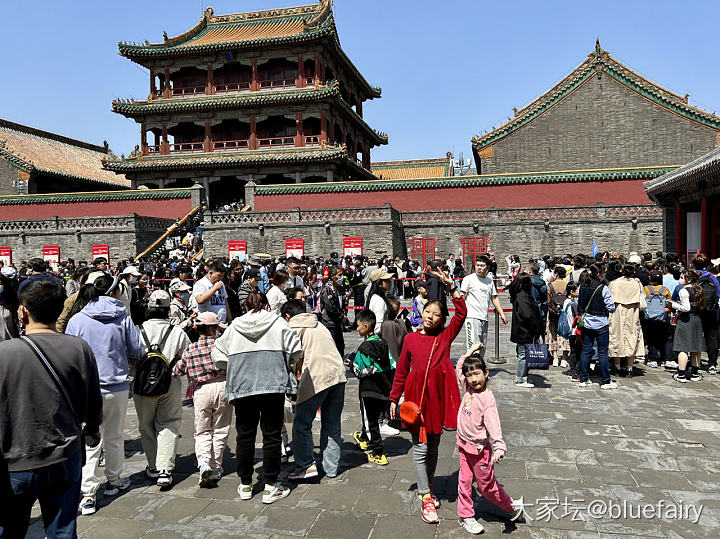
x=263 y=340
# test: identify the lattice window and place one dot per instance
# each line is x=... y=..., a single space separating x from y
x=472 y=247
x=423 y=250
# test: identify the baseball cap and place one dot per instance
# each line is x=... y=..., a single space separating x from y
x=251 y=273
x=420 y=283
x=378 y=275
x=209 y=318
x=159 y=298
x=94 y=275
x=9 y=272
x=131 y=270
x=179 y=286
x=255 y=261
x=635 y=259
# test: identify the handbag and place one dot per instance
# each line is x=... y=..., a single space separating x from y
x=537 y=356
x=61 y=388
x=411 y=413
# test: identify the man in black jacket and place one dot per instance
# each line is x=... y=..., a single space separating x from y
x=40 y=435
x=333 y=315
x=436 y=287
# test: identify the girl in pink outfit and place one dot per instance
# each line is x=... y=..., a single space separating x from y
x=477 y=422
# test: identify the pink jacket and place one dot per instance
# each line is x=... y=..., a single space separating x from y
x=477 y=418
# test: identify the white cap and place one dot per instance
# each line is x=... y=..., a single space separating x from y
x=131 y=270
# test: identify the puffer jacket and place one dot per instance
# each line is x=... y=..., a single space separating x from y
x=258 y=352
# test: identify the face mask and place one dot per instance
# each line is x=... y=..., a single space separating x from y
x=682 y=281
x=186 y=297
x=133 y=281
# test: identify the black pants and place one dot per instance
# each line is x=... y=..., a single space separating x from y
x=656 y=334
x=337 y=335
x=710 y=331
x=267 y=410
x=358 y=300
x=575 y=352
x=371 y=432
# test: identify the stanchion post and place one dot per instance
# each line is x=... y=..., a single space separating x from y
x=497 y=336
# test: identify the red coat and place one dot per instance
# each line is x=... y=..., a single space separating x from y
x=442 y=395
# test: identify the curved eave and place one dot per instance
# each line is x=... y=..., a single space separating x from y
x=225 y=160
x=223 y=102
x=138 y=53
x=465 y=181
x=107 y=196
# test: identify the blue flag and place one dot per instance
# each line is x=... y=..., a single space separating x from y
x=594 y=248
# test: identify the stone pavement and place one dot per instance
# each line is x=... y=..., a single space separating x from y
x=570 y=452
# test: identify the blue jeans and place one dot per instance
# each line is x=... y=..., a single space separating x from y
x=330 y=401
x=601 y=337
x=521 y=370
x=57 y=487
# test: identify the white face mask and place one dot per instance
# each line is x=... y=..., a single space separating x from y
x=682 y=281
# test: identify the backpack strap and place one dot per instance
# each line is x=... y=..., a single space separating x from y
x=145 y=337
x=164 y=337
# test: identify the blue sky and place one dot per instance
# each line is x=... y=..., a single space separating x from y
x=448 y=70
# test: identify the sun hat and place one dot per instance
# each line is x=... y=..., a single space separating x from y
x=379 y=275
x=9 y=272
x=209 y=318
x=179 y=286
x=159 y=298
x=131 y=270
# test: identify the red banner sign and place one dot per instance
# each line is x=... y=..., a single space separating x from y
x=51 y=255
x=101 y=250
x=352 y=246
x=237 y=249
x=6 y=255
x=295 y=247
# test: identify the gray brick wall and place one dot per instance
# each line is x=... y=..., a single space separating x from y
x=601 y=125
x=8 y=174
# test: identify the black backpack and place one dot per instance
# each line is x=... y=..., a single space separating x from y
x=710 y=301
x=557 y=299
x=153 y=372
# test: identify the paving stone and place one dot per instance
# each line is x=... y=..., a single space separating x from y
x=113 y=528
x=278 y=519
x=563 y=472
x=650 y=478
x=703 y=481
x=333 y=524
x=128 y=505
x=224 y=514
x=341 y=497
x=370 y=477
x=593 y=476
x=174 y=510
x=393 y=526
x=399 y=503
x=578 y=456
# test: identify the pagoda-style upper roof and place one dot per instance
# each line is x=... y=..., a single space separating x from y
x=229 y=159
x=251 y=31
x=412 y=168
x=598 y=61
x=705 y=168
x=33 y=150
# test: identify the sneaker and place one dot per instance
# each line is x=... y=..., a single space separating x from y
x=652 y=364
x=244 y=491
x=712 y=369
x=380 y=460
x=165 y=480
x=609 y=385
x=574 y=378
x=671 y=365
x=524 y=384
x=217 y=474
x=113 y=487
x=556 y=362
x=206 y=475
x=436 y=501
x=362 y=444
x=471 y=525
x=696 y=377
x=429 y=514
x=304 y=473
x=151 y=473
x=273 y=493
x=87 y=506
x=564 y=364
x=588 y=383
x=387 y=430
x=517 y=511
x=679 y=378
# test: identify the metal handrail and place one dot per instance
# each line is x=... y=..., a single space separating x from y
x=172 y=228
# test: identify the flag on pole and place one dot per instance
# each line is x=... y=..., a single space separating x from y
x=595 y=248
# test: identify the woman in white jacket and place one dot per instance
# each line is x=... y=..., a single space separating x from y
x=276 y=295
x=258 y=352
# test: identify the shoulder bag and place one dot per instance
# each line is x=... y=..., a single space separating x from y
x=411 y=413
x=580 y=322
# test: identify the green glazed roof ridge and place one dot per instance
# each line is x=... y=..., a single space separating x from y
x=467 y=181
x=599 y=61
x=100 y=196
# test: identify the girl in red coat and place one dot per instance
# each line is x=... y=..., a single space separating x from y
x=442 y=397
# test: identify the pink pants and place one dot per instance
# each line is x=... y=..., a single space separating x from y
x=481 y=468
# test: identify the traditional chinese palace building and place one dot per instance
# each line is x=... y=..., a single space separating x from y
x=267 y=96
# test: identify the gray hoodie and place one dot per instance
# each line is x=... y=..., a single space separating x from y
x=258 y=351
x=105 y=325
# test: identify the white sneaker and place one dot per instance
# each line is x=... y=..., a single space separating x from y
x=273 y=493
x=652 y=364
x=588 y=383
x=244 y=491
x=206 y=474
x=609 y=385
x=556 y=363
x=471 y=525
x=524 y=384
x=564 y=364
x=87 y=506
x=387 y=430
x=114 y=487
x=301 y=474
x=165 y=480
x=671 y=365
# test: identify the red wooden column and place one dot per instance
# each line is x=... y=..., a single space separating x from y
x=300 y=83
x=705 y=225
x=299 y=136
x=317 y=67
x=207 y=145
x=323 y=127
x=331 y=131
x=209 y=90
x=167 y=92
x=254 y=84
x=253 y=143
x=679 y=232
x=143 y=140
x=165 y=144
x=153 y=91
